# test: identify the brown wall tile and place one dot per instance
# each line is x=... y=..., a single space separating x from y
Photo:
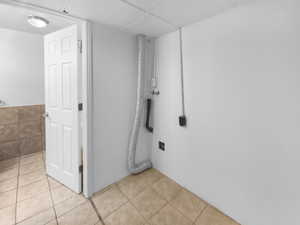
x=42 y=109
x=30 y=128
x=9 y=150
x=43 y=125
x=27 y=113
x=8 y=132
x=22 y=130
x=31 y=145
x=8 y=115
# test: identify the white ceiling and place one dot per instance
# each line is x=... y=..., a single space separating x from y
x=16 y=18
x=151 y=17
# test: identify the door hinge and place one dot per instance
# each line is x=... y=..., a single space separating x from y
x=80 y=45
x=80 y=168
x=80 y=106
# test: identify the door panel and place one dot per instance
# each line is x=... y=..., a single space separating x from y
x=62 y=121
x=52 y=93
x=67 y=86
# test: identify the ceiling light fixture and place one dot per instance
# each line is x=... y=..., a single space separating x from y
x=37 y=21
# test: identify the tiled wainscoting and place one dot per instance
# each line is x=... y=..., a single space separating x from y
x=21 y=130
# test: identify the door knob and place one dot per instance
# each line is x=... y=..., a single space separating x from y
x=46 y=115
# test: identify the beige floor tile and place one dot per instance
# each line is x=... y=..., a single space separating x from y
x=8 y=185
x=30 y=190
x=53 y=222
x=167 y=188
x=81 y=215
x=53 y=183
x=31 y=159
x=188 y=204
x=108 y=201
x=8 y=173
x=106 y=189
x=32 y=177
x=151 y=176
x=41 y=218
x=8 y=198
x=69 y=204
x=31 y=167
x=33 y=206
x=9 y=163
x=148 y=203
x=61 y=194
x=169 y=216
x=212 y=216
x=125 y=215
x=7 y=215
x=132 y=185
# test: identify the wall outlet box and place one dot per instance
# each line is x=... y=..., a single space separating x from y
x=161 y=145
x=182 y=121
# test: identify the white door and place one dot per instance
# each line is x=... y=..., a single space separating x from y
x=63 y=156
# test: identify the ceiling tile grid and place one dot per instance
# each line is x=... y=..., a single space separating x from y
x=151 y=17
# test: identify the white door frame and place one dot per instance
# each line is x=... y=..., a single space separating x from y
x=87 y=91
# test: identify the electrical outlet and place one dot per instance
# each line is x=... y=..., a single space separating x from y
x=182 y=121
x=161 y=145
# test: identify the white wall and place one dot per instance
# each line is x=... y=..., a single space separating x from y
x=21 y=68
x=114 y=85
x=240 y=150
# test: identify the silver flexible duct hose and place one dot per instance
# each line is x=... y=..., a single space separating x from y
x=133 y=167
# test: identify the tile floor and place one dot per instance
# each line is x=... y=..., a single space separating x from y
x=29 y=197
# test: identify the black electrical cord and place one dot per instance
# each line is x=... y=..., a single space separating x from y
x=182 y=117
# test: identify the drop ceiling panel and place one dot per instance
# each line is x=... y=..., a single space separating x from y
x=126 y=14
x=149 y=26
x=183 y=12
x=144 y=4
x=16 y=18
x=112 y=12
x=104 y=11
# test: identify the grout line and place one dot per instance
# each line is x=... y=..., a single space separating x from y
x=201 y=213
x=181 y=213
x=77 y=206
x=95 y=208
x=145 y=188
x=50 y=191
x=17 y=191
x=35 y=170
x=124 y=195
x=161 y=196
x=31 y=154
x=36 y=159
x=120 y=205
x=30 y=217
x=129 y=201
x=169 y=203
x=40 y=193
x=52 y=205
x=33 y=182
x=69 y=209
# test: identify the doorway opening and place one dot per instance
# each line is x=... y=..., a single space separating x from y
x=45 y=94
